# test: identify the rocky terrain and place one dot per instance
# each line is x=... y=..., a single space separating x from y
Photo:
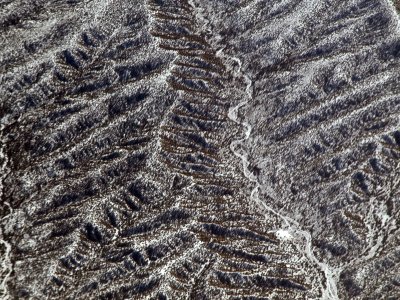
x=200 y=149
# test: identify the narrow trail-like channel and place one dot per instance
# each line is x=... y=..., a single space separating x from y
x=6 y=265
x=291 y=229
x=5 y=252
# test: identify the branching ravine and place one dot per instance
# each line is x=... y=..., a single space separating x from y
x=291 y=229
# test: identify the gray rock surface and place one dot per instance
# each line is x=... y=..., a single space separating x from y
x=187 y=149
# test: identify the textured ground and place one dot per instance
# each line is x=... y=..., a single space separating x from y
x=200 y=149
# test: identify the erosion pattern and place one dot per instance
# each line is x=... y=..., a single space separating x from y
x=174 y=149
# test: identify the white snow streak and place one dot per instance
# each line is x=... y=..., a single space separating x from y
x=6 y=265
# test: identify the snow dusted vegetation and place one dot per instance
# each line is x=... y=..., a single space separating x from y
x=200 y=149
